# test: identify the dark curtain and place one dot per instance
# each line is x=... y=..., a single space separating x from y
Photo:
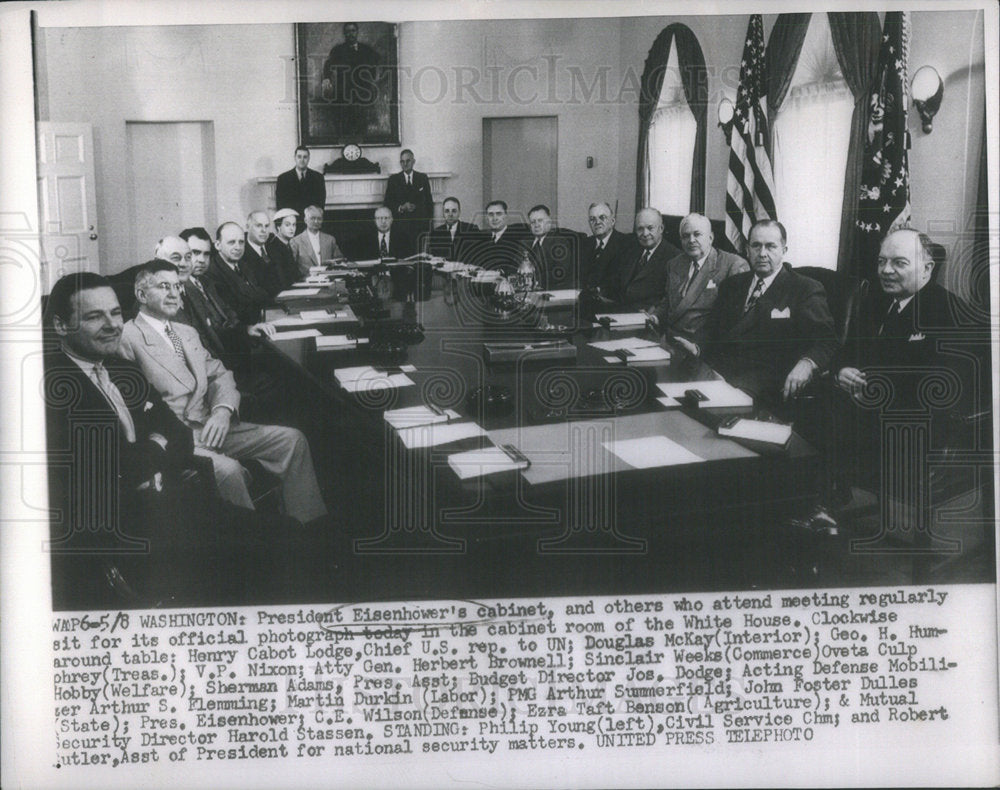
x=781 y=56
x=694 y=77
x=856 y=39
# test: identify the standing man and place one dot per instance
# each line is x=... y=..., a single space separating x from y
x=236 y=282
x=693 y=280
x=770 y=330
x=554 y=253
x=313 y=247
x=201 y=392
x=640 y=283
x=301 y=186
x=605 y=250
x=454 y=236
x=408 y=196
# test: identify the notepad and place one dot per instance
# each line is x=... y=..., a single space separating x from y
x=413 y=416
x=339 y=342
x=647 y=354
x=488 y=461
x=316 y=315
x=439 y=433
x=377 y=381
x=623 y=320
x=719 y=394
x=297 y=334
x=295 y=293
x=758 y=430
x=651 y=451
x=630 y=343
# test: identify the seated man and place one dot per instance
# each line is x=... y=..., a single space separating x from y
x=639 y=284
x=498 y=247
x=605 y=249
x=452 y=239
x=381 y=241
x=257 y=258
x=555 y=253
x=235 y=281
x=693 y=280
x=770 y=330
x=313 y=247
x=202 y=393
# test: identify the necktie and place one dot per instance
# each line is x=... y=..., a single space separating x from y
x=114 y=396
x=758 y=289
x=496 y=237
x=175 y=341
x=263 y=254
x=691 y=275
x=889 y=316
x=302 y=176
x=408 y=181
x=645 y=258
x=383 y=248
x=454 y=230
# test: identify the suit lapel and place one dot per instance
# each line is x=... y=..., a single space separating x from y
x=163 y=354
x=766 y=301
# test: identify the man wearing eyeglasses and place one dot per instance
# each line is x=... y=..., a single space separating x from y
x=202 y=393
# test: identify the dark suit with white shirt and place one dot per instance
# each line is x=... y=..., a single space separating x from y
x=640 y=283
x=452 y=245
x=410 y=224
x=300 y=193
x=557 y=259
x=239 y=288
x=602 y=262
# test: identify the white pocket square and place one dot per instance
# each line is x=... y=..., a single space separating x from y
x=917 y=336
x=711 y=285
x=786 y=313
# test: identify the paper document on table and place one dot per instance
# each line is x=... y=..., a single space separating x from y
x=630 y=343
x=368 y=263
x=376 y=381
x=297 y=334
x=623 y=320
x=413 y=416
x=489 y=460
x=315 y=315
x=718 y=394
x=647 y=354
x=651 y=451
x=295 y=293
x=758 y=430
x=562 y=296
x=339 y=341
x=440 y=433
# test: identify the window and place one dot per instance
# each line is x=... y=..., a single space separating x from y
x=670 y=144
x=811 y=137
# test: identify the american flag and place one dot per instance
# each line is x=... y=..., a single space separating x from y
x=884 y=199
x=750 y=185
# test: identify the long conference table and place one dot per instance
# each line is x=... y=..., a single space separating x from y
x=589 y=483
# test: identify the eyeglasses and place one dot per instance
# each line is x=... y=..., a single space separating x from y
x=168 y=287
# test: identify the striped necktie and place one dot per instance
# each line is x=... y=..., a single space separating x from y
x=758 y=289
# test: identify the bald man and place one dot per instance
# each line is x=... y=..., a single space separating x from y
x=235 y=281
x=258 y=258
x=693 y=279
x=641 y=282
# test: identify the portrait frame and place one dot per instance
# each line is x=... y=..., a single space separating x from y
x=347 y=98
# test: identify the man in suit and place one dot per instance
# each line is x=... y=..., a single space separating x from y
x=202 y=393
x=639 y=284
x=605 y=250
x=452 y=239
x=498 y=247
x=555 y=253
x=408 y=196
x=693 y=280
x=381 y=240
x=770 y=330
x=301 y=186
x=235 y=282
x=257 y=258
x=313 y=247
x=285 y=222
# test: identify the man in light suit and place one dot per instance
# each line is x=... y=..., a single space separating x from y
x=202 y=393
x=408 y=196
x=640 y=283
x=452 y=239
x=770 y=330
x=693 y=280
x=301 y=186
x=313 y=247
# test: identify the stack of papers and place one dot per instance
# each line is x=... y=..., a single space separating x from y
x=489 y=460
x=623 y=320
x=631 y=343
x=563 y=296
x=439 y=433
x=295 y=293
x=297 y=334
x=317 y=317
x=646 y=354
x=365 y=378
x=758 y=430
x=719 y=394
x=419 y=415
x=339 y=342
x=651 y=451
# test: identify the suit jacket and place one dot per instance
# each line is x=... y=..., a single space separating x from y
x=295 y=194
x=192 y=386
x=756 y=351
x=240 y=290
x=640 y=286
x=284 y=260
x=267 y=273
x=368 y=244
x=505 y=254
x=599 y=270
x=557 y=259
x=398 y=192
x=440 y=241
x=687 y=315
x=73 y=401
x=218 y=326
x=304 y=255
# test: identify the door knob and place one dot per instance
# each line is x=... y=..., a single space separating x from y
x=93 y=237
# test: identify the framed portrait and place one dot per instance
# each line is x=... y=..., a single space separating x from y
x=347 y=83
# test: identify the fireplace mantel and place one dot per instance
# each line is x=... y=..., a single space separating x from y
x=360 y=191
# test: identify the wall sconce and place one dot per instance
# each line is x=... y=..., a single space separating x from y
x=726 y=111
x=927 y=88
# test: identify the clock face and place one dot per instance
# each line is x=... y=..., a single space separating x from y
x=352 y=152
